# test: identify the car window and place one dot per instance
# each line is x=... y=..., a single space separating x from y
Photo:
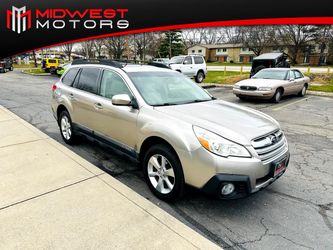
x=112 y=84
x=298 y=74
x=291 y=74
x=188 y=60
x=88 y=80
x=68 y=79
x=198 y=60
x=167 y=88
x=52 y=61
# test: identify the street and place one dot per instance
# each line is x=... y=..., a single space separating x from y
x=295 y=212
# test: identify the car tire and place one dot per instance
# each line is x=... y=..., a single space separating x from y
x=11 y=68
x=303 y=91
x=241 y=97
x=163 y=172
x=277 y=96
x=66 y=128
x=3 y=71
x=199 y=77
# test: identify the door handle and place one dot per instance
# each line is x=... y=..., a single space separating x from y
x=71 y=96
x=97 y=105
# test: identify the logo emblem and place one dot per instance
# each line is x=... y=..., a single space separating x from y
x=273 y=139
x=18 y=19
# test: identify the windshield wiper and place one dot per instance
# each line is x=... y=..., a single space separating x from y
x=200 y=100
x=164 y=104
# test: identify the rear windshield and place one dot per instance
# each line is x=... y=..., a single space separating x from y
x=52 y=61
x=271 y=74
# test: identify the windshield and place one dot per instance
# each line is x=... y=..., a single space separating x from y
x=271 y=74
x=177 y=59
x=167 y=88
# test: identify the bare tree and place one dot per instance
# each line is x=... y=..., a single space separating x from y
x=214 y=35
x=67 y=49
x=296 y=37
x=98 y=46
x=323 y=36
x=116 y=46
x=256 y=38
x=192 y=37
x=87 y=49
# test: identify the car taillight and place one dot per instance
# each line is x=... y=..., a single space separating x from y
x=54 y=87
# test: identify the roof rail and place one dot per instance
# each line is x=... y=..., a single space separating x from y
x=98 y=61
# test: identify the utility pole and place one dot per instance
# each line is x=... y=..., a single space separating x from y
x=144 y=47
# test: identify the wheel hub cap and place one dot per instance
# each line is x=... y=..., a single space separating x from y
x=161 y=174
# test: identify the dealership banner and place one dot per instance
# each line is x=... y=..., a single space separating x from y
x=29 y=25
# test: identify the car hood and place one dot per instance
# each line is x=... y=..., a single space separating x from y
x=229 y=120
x=261 y=82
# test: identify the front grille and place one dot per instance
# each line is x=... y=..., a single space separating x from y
x=251 y=88
x=271 y=146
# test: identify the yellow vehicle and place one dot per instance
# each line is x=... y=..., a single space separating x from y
x=50 y=64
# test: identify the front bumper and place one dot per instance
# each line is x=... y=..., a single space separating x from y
x=254 y=93
x=242 y=183
x=207 y=171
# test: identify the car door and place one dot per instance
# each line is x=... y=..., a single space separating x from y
x=83 y=97
x=116 y=123
x=289 y=87
x=300 y=80
x=187 y=67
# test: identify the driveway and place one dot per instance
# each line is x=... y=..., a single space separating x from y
x=295 y=212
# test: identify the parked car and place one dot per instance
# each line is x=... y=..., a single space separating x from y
x=165 y=61
x=177 y=131
x=193 y=66
x=62 y=68
x=6 y=65
x=269 y=60
x=50 y=65
x=273 y=84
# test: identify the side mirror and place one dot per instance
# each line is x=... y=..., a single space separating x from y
x=121 y=100
x=291 y=79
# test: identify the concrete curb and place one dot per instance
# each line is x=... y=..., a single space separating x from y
x=309 y=92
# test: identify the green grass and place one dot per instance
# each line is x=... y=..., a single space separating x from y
x=35 y=71
x=20 y=66
x=227 y=64
x=221 y=77
x=324 y=88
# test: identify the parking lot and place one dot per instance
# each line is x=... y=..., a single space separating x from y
x=295 y=212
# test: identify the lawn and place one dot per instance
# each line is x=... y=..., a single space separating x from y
x=227 y=64
x=35 y=71
x=20 y=66
x=221 y=77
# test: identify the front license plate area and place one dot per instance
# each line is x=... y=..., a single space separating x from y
x=279 y=167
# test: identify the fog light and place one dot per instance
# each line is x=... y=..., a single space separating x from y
x=227 y=189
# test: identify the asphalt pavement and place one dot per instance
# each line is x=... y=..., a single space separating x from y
x=295 y=212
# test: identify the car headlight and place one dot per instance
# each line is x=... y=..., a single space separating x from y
x=264 y=88
x=236 y=87
x=219 y=145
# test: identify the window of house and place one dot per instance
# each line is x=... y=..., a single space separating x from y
x=245 y=49
x=225 y=58
x=251 y=59
x=200 y=50
x=241 y=59
x=222 y=50
x=193 y=51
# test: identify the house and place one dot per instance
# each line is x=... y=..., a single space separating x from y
x=238 y=53
x=223 y=52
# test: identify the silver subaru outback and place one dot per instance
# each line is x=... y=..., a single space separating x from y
x=177 y=131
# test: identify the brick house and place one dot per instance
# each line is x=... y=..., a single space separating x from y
x=238 y=53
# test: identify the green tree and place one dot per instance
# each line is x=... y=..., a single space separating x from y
x=171 y=44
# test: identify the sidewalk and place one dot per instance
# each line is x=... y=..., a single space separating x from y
x=50 y=198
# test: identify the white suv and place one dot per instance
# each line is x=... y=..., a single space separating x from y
x=193 y=66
